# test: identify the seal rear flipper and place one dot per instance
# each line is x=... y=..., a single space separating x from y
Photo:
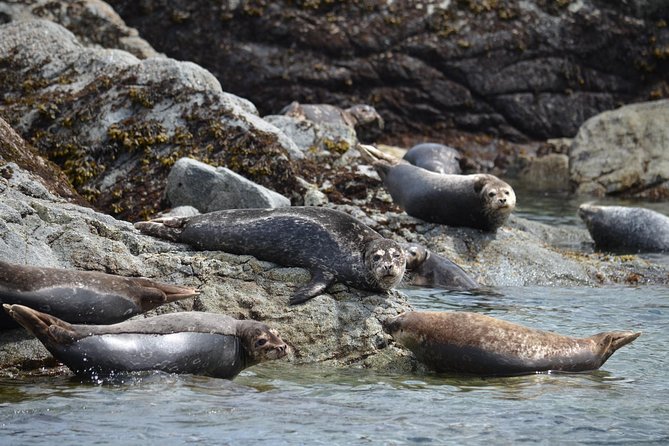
x=166 y=228
x=319 y=282
x=43 y=326
x=609 y=342
x=153 y=293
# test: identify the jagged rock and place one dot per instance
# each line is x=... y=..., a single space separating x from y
x=94 y=22
x=116 y=124
x=208 y=189
x=623 y=152
x=510 y=68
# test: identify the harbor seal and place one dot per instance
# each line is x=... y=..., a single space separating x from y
x=190 y=342
x=479 y=201
x=626 y=229
x=482 y=345
x=434 y=157
x=428 y=269
x=82 y=297
x=332 y=245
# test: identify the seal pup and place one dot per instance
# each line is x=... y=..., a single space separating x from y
x=332 y=245
x=189 y=342
x=434 y=157
x=482 y=345
x=626 y=229
x=83 y=297
x=478 y=201
x=428 y=269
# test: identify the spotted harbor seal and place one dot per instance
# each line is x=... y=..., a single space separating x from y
x=626 y=229
x=83 y=297
x=428 y=269
x=333 y=245
x=434 y=157
x=482 y=345
x=190 y=342
x=478 y=201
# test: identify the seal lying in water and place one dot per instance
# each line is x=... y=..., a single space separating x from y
x=481 y=345
x=428 y=269
x=333 y=245
x=434 y=157
x=83 y=297
x=478 y=201
x=192 y=342
x=626 y=229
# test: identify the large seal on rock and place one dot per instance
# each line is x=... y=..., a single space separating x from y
x=479 y=201
x=191 y=342
x=83 y=297
x=333 y=245
x=626 y=229
x=481 y=345
x=435 y=158
x=428 y=269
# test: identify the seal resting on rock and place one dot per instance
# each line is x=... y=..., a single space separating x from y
x=190 y=342
x=434 y=157
x=626 y=229
x=482 y=345
x=428 y=269
x=332 y=245
x=83 y=297
x=478 y=201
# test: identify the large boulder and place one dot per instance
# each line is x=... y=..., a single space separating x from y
x=116 y=124
x=513 y=68
x=623 y=152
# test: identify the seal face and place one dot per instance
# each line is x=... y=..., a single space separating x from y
x=83 y=297
x=434 y=157
x=428 y=269
x=626 y=229
x=478 y=201
x=192 y=342
x=477 y=344
x=333 y=245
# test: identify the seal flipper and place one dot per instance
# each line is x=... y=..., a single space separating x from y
x=154 y=293
x=320 y=280
x=168 y=228
x=45 y=327
x=611 y=341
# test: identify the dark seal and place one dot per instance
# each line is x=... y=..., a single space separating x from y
x=626 y=229
x=428 y=269
x=435 y=157
x=478 y=201
x=83 y=297
x=481 y=345
x=191 y=342
x=332 y=245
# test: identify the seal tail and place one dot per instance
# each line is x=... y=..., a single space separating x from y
x=611 y=341
x=168 y=228
x=382 y=162
x=46 y=328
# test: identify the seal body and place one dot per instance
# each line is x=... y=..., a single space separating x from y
x=626 y=229
x=479 y=201
x=428 y=269
x=434 y=157
x=192 y=342
x=331 y=244
x=83 y=297
x=477 y=344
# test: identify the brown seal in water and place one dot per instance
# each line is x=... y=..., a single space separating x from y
x=482 y=345
x=83 y=297
x=626 y=229
x=478 y=201
x=332 y=245
x=188 y=342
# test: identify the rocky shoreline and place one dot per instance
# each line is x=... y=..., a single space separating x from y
x=115 y=123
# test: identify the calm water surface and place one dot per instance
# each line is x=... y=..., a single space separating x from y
x=625 y=402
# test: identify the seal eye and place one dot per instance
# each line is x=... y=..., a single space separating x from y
x=492 y=194
x=261 y=342
x=376 y=257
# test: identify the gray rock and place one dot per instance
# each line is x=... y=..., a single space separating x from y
x=623 y=151
x=549 y=173
x=208 y=189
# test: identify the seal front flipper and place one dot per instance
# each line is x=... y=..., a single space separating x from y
x=320 y=280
